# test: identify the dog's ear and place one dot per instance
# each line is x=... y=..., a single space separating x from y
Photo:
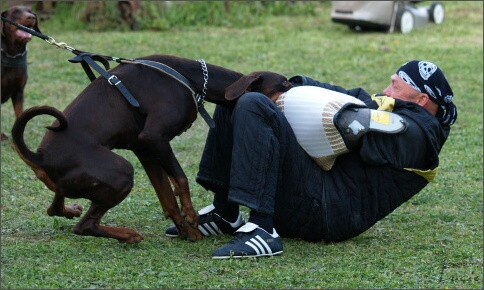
x=4 y=14
x=36 y=25
x=236 y=89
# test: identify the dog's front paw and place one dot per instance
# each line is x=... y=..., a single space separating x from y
x=72 y=210
x=190 y=231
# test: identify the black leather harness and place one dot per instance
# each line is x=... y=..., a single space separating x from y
x=88 y=60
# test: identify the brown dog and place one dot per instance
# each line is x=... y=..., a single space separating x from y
x=268 y=83
x=14 y=56
x=74 y=159
x=128 y=11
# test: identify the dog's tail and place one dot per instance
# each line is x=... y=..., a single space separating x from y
x=18 y=129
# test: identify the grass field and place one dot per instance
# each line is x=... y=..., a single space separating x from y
x=435 y=240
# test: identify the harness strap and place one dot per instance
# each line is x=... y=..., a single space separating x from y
x=168 y=70
x=198 y=98
x=86 y=60
x=206 y=116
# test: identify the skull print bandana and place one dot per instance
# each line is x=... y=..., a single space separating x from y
x=427 y=78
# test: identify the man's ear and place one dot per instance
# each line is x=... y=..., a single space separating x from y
x=428 y=104
x=423 y=99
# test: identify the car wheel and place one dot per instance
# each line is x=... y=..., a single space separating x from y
x=437 y=12
x=405 y=20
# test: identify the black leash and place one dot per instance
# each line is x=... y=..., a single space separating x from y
x=25 y=28
x=88 y=60
x=62 y=45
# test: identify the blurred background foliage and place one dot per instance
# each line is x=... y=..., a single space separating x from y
x=161 y=15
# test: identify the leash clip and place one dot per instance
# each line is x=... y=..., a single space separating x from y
x=61 y=45
x=113 y=80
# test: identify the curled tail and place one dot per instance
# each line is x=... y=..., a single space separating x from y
x=18 y=129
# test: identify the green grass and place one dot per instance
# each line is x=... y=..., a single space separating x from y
x=432 y=241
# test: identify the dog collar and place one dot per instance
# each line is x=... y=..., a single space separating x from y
x=18 y=60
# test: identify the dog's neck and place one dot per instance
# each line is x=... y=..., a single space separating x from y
x=19 y=60
x=14 y=60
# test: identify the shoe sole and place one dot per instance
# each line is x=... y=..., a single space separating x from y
x=246 y=256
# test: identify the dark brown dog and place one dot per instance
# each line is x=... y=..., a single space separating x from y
x=268 y=83
x=14 y=56
x=128 y=11
x=74 y=159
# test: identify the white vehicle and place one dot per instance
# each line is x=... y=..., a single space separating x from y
x=390 y=16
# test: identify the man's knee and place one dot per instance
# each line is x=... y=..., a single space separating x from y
x=251 y=98
x=254 y=102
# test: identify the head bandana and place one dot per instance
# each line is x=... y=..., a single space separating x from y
x=427 y=78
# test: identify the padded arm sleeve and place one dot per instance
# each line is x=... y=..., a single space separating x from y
x=359 y=93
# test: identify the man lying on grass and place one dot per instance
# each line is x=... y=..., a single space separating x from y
x=256 y=158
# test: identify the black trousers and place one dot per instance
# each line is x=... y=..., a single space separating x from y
x=252 y=156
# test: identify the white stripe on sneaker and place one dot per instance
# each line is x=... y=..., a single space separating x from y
x=268 y=249
x=257 y=252
x=209 y=229
x=259 y=245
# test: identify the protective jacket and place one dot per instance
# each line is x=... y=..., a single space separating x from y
x=366 y=185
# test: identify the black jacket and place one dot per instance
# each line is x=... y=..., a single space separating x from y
x=366 y=185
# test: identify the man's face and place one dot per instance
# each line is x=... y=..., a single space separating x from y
x=399 y=89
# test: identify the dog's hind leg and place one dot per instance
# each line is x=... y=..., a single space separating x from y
x=58 y=208
x=89 y=225
x=106 y=179
x=188 y=228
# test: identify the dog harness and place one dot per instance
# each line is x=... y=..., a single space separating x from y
x=89 y=59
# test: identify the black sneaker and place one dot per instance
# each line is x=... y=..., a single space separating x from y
x=251 y=241
x=211 y=224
